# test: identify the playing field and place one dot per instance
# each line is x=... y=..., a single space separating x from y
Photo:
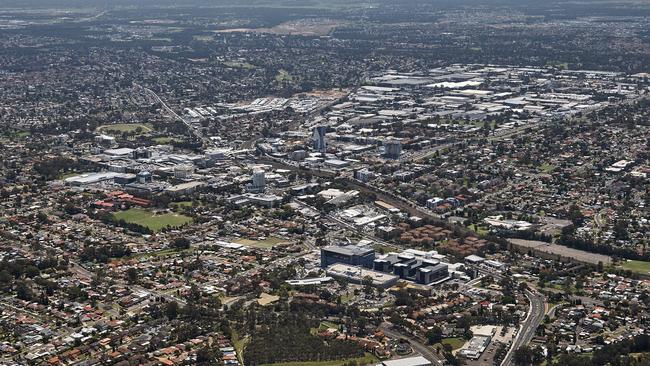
x=637 y=266
x=366 y=360
x=155 y=222
x=125 y=127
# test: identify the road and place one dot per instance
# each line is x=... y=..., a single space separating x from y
x=83 y=273
x=348 y=226
x=426 y=352
x=423 y=155
x=206 y=141
x=397 y=201
x=529 y=326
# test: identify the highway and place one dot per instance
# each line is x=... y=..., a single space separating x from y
x=425 y=351
x=527 y=329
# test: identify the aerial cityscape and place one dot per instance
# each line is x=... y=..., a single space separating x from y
x=325 y=182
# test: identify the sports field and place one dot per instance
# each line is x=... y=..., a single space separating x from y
x=125 y=127
x=366 y=360
x=637 y=266
x=155 y=222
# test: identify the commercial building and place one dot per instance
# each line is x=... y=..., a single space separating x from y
x=320 y=144
x=364 y=175
x=183 y=171
x=144 y=177
x=357 y=274
x=141 y=153
x=91 y=178
x=475 y=347
x=309 y=281
x=298 y=155
x=266 y=200
x=259 y=182
x=392 y=149
x=408 y=361
x=422 y=270
x=185 y=188
x=337 y=163
x=350 y=254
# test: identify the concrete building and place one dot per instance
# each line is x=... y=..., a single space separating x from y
x=141 y=153
x=392 y=149
x=144 y=177
x=185 y=188
x=475 y=347
x=357 y=274
x=408 y=361
x=266 y=200
x=259 y=178
x=337 y=163
x=350 y=254
x=409 y=267
x=432 y=203
x=320 y=144
x=298 y=155
x=183 y=171
x=258 y=184
x=364 y=175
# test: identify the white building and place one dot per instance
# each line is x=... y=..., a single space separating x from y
x=183 y=171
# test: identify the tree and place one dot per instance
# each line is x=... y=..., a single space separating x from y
x=207 y=356
x=575 y=215
x=132 y=275
x=367 y=285
x=525 y=355
x=31 y=271
x=181 y=243
x=434 y=335
x=171 y=310
x=23 y=291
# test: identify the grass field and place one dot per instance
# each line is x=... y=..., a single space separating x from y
x=383 y=248
x=154 y=222
x=365 y=360
x=546 y=168
x=455 y=343
x=637 y=267
x=323 y=326
x=125 y=127
x=283 y=75
x=264 y=244
x=347 y=297
x=266 y=299
x=163 y=140
x=181 y=204
x=479 y=229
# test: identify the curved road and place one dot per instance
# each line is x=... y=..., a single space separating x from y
x=529 y=326
x=422 y=349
